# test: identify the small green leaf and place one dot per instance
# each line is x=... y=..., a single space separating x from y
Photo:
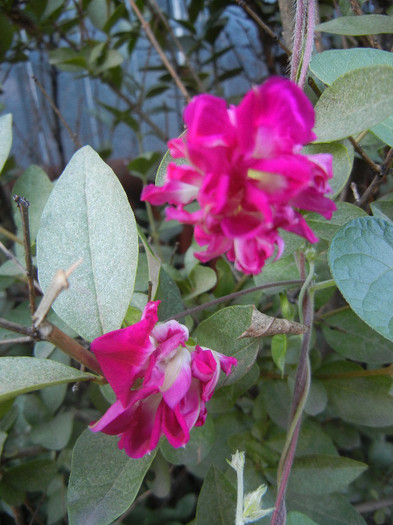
x=32 y=475
x=323 y=474
x=296 y=518
x=88 y=217
x=358 y=400
x=382 y=209
x=55 y=434
x=3 y=437
x=104 y=481
x=342 y=162
x=326 y=229
x=331 y=509
x=282 y=270
x=353 y=339
x=384 y=131
x=202 y=279
x=217 y=500
x=220 y=332
x=331 y=64
x=169 y=295
x=162 y=168
x=195 y=451
x=19 y=375
x=35 y=186
x=354 y=102
x=279 y=350
x=358 y=25
x=361 y=263
x=5 y=138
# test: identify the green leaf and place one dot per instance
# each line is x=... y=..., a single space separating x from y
x=19 y=375
x=354 y=102
x=332 y=509
x=220 y=332
x=353 y=339
x=342 y=162
x=32 y=475
x=162 y=168
x=202 y=279
x=326 y=229
x=382 y=209
x=35 y=186
x=323 y=474
x=358 y=400
x=99 y=12
x=217 y=500
x=296 y=518
x=329 y=65
x=88 y=216
x=104 y=481
x=169 y=295
x=55 y=434
x=5 y=138
x=279 y=350
x=282 y=270
x=384 y=131
x=361 y=263
x=358 y=25
x=3 y=437
x=195 y=451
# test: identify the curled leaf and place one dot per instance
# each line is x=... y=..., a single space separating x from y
x=265 y=325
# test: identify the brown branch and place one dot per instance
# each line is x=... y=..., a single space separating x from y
x=157 y=47
x=262 y=24
x=72 y=135
x=23 y=206
x=49 y=332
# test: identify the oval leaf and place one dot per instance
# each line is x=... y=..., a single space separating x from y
x=104 y=481
x=329 y=65
x=361 y=263
x=358 y=25
x=88 y=216
x=354 y=102
x=220 y=332
x=19 y=375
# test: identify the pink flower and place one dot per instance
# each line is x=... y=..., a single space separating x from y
x=246 y=171
x=161 y=384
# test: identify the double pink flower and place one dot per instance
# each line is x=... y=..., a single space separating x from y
x=161 y=385
x=246 y=172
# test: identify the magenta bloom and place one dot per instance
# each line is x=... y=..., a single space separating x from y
x=245 y=170
x=161 y=385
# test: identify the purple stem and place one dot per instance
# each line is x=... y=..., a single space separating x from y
x=300 y=392
x=303 y=42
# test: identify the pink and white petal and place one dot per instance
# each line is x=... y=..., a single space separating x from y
x=177 y=378
x=168 y=336
x=183 y=216
x=173 y=192
x=115 y=421
x=123 y=353
x=144 y=431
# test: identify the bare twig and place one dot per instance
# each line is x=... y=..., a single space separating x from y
x=12 y=257
x=231 y=296
x=153 y=40
x=16 y=340
x=16 y=327
x=58 y=283
x=178 y=45
x=10 y=235
x=49 y=332
x=23 y=206
x=72 y=135
x=264 y=26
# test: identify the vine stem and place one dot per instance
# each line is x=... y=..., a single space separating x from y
x=299 y=399
x=231 y=296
